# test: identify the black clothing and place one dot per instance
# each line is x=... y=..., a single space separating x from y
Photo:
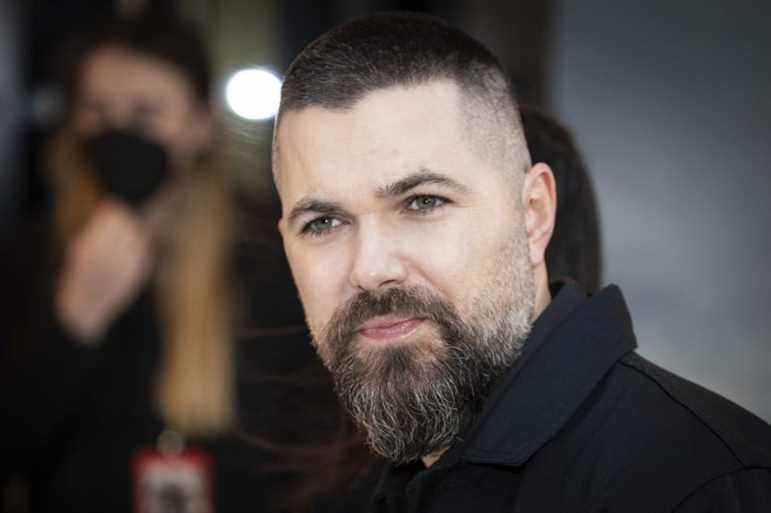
x=581 y=423
x=73 y=416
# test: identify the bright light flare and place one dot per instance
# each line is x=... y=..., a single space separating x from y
x=253 y=93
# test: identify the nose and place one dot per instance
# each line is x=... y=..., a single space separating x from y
x=377 y=263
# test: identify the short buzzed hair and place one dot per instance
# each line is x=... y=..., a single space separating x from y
x=380 y=51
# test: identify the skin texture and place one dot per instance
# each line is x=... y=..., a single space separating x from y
x=352 y=222
x=108 y=261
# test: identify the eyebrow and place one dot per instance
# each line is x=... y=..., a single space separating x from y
x=315 y=206
x=398 y=188
x=422 y=177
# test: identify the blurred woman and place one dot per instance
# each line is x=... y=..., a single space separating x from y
x=137 y=207
x=121 y=396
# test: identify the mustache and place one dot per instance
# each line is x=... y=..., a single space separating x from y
x=413 y=301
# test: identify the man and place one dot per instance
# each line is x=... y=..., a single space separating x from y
x=416 y=227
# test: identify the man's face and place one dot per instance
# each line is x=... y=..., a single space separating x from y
x=409 y=252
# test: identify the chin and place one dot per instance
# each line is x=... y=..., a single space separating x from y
x=407 y=354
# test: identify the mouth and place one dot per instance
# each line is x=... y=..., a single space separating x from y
x=389 y=327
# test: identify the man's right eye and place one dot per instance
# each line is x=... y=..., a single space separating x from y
x=320 y=226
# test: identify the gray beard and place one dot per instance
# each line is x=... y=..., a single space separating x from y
x=415 y=399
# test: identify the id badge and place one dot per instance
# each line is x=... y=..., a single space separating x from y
x=170 y=478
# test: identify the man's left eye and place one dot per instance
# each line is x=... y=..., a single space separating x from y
x=424 y=203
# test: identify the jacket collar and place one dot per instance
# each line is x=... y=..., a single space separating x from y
x=574 y=343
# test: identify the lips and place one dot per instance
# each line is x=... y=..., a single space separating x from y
x=389 y=327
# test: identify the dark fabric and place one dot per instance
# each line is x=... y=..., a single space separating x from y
x=583 y=423
x=72 y=416
x=129 y=166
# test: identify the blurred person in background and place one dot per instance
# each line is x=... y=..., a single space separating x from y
x=118 y=381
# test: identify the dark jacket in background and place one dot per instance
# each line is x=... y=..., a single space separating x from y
x=582 y=423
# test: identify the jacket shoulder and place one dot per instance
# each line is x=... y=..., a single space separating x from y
x=717 y=419
x=649 y=439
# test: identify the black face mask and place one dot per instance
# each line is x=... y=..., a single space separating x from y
x=128 y=166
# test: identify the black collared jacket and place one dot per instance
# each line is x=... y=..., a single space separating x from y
x=582 y=423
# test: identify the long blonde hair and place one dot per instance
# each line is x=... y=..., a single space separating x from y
x=195 y=379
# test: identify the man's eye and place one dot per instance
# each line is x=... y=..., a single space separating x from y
x=424 y=203
x=320 y=225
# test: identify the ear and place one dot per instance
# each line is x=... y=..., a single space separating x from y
x=539 y=199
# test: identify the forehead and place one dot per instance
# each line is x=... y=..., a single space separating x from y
x=114 y=71
x=385 y=135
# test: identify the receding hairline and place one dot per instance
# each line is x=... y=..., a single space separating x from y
x=492 y=123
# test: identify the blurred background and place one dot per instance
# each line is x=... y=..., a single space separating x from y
x=670 y=103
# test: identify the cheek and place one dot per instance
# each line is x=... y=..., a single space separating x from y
x=179 y=141
x=459 y=259
x=175 y=127
x=170 y=130
x=445 y=254
x=320 y=279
